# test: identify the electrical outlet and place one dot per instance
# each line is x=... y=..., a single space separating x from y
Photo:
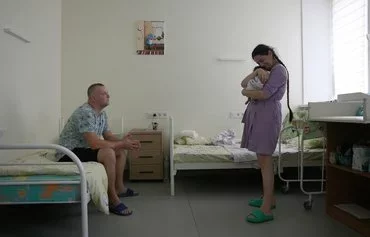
x=157 y=115
x=236 y=115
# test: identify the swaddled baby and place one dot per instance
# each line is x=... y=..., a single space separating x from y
x=255 y=83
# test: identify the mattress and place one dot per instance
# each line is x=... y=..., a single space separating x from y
x=223 y=154
x=41 y=165
x=38 y=192
x=311 y=157
x=201 y=154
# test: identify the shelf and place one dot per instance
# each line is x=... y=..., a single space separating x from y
x=355 y=210
x=347 y=169
x=345 y=186
x=361 y=226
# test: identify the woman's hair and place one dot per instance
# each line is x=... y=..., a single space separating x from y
x=262 y=49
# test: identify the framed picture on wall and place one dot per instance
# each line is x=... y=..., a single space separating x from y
x=150 y=38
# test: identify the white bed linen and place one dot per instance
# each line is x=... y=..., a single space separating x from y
x=240 y=155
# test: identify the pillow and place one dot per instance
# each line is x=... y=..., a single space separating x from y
x=310 y=129
x=188 y=133
x=180 y=141
x=315 y=143
x=197 y=141
x=299 y=113
x=50 y=155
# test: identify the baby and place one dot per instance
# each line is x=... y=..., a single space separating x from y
x=254 y=83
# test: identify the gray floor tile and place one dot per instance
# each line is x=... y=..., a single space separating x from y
x=158 y=216
x=205 y=205
x=225 y=216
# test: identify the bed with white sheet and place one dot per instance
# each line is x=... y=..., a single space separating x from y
x=37 y=178
x=197 y=154
x=222 y=156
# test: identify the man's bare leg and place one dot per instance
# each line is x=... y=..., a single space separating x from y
x=107 y=157
x=120 y=169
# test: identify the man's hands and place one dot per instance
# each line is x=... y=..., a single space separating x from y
x=129 y=143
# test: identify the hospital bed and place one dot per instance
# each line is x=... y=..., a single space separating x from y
x=208 y=157
x=302 y=161
x=34 y=179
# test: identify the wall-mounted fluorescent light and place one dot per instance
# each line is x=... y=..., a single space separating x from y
x=16 y=35
x=231 y=59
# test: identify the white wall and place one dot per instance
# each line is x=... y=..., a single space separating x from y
x=98 y=41
x=30 y=73
x=317 y=63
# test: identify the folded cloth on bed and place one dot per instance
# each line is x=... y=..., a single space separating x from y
x=97 y=180
x=226 y=137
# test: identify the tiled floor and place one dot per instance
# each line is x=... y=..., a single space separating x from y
x=209 y=205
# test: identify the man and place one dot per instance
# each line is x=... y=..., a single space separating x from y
x=82 y=134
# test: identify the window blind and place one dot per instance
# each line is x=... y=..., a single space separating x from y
x=350 y=46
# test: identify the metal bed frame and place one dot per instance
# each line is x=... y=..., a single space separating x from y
x=197 y=166
x=233 y=165
x=300 y=164
x=83 y=183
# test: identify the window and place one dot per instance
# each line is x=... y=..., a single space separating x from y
x=350 y=46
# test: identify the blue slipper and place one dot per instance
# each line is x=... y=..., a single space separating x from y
x=257 y=216
x=120 y=210
x=129 y=193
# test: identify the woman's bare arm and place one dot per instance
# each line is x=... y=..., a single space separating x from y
x=248 y=78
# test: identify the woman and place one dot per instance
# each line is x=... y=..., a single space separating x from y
x=262 y=123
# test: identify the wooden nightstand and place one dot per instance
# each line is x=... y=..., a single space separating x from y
x=147 y=164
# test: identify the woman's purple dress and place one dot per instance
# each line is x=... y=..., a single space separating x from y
x=262 y=118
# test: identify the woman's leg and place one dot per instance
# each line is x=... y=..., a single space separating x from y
x=266 y=165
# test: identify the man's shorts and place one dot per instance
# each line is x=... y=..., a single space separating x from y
x=84 y=154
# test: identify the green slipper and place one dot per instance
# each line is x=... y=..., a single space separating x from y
x=258 y=203
x=257 y=216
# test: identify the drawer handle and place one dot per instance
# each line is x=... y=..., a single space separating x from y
x=145 y=156
x=146 y=141
x=146 y=172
